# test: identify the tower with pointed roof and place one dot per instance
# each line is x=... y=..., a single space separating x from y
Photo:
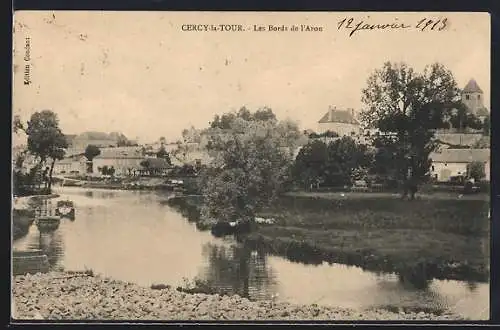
x=472 y=97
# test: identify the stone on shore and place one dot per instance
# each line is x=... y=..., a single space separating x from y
x=78 y=296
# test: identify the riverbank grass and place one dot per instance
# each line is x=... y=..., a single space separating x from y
x=443 y=237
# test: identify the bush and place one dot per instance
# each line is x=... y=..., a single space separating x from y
x=476 y=170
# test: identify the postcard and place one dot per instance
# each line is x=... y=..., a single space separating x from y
x=176 y=166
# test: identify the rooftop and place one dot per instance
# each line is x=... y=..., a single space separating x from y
x=482 y=112
x=472 y=87
x=120 y=153
x=335 y=115
x=461 y=155
x=157 y=163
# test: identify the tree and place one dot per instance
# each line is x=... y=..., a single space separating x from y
x=45 y=139
x=91 y=152
x=333 y=164
x=146 y=164
x=111 y=170
x=250 y=165
x=330 y=134
x=345 y=156
x=407 y=107
x=162 y=153
x=104 y=170
x=122 y=140
x=460 y=118
x=264 y=114
x=225 y=121
x=310 y=164
x=486 y=126
x=476 y=170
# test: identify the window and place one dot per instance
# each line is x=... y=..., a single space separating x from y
x=467 y=96
x=479 y=97
x=432 y=168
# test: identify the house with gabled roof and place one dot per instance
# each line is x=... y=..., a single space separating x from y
x=75 y=164
x=123 y=160
x=447 y=163
x=341 y=121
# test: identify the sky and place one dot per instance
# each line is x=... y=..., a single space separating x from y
x=140 y=74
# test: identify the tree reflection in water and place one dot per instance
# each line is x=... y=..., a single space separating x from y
x=408 y=292
x=237 y=269
x=414 y=280
x=51 y=243
x=472 y=286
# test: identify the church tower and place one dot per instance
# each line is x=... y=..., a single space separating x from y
x=472 y=97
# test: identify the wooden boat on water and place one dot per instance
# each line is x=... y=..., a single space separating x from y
x=29 y=261
x=65 y=208
x=48 y=223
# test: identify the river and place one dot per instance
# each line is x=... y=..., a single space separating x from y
x=136 y=237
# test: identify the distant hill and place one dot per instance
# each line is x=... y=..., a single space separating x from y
x=99 y=136
x=91 y=135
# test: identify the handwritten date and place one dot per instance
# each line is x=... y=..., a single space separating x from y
x=425 y=24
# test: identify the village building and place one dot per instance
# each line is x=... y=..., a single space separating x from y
x=448 y=163
x=153 y=166
x=71 y=165
x=342 y=122
x=123 y=161
x=472 y=96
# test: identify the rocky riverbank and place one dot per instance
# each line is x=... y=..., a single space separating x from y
x=81 y=296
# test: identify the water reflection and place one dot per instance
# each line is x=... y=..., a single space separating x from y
x=137 y=237
x=352 y=287
x=52 y=245
x=236 y=269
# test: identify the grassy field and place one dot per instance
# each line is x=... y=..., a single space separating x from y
x=435 y=236
x=440 y=235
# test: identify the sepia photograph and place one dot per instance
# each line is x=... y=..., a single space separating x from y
x=250 y=166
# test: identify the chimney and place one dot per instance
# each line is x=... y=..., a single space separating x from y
x=332 y=109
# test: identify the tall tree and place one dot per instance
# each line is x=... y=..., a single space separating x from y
x=45 y=139
x=333 y=164
x=147 y=165
x=487 y=126
x=250 y=165
x=91 y=152
x=346 y=158
x=476 y=170
x=122 y=140
x=310 y=164
x=407 y=107
x=163 y=153
x=225 y=121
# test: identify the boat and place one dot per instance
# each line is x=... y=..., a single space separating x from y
x=29 y=262
x=71 y=183
x=48 y=223
x=65 y=208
